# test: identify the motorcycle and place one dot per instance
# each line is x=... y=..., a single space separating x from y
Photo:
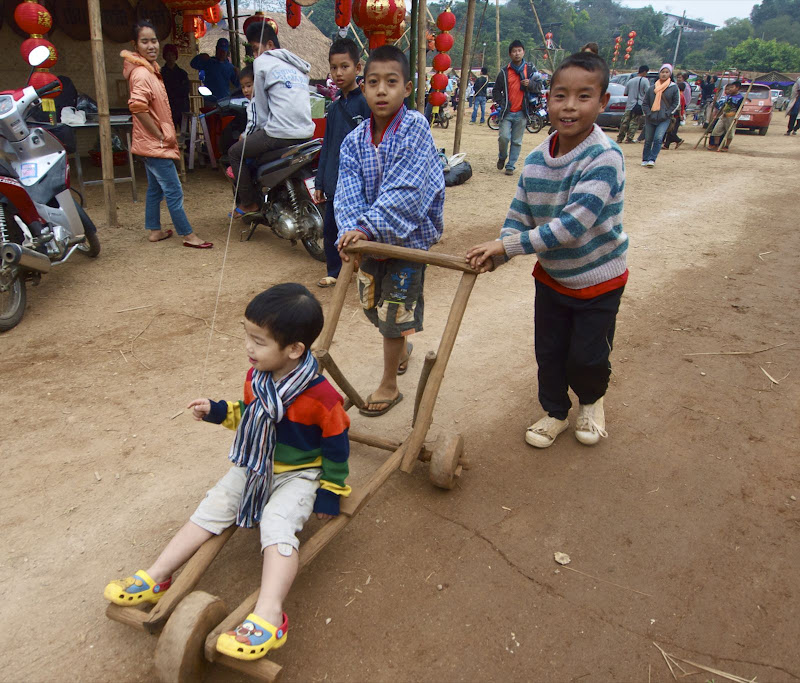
x=536 y=115
x=41 y=224
x=285 y=177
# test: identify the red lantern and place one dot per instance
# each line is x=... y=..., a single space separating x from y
x=293 y=13
x=41 y=78
x=212 y=15
x=441 y=62
x=259 y=16
x=438 y=81
x=33 y=18
x=343 y=10
x=628 y=49
x=617 y=39
x=398 y=33
x=378 y=19
x=436 y=98
x=632 y=34
x=627 y=57
x=444 y=42
x=446 y=21
x=630 y=41
x=548 y=35
x=30 y=43
x=199 y=27
x=192 y=13
x=545 y=55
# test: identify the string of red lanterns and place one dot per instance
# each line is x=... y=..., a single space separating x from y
x=443 y=42
x=195 y=14
x=34 y=19
x=629 y=49
x=381 y=20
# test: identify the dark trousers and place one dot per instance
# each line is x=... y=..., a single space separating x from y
x=330 y=232
x=672 y=132
x=794 y=124
x=252 y=147
x=573 y=340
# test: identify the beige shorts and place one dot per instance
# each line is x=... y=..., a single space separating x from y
x=290 y=504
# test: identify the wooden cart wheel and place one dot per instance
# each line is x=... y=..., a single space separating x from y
x=179 y=652
x=444 y=468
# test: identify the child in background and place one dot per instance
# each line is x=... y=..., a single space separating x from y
x=246 y=83
x=349 y=109
x=289 y=458
x=568 y=211
x=725 y=127
x=391 y=189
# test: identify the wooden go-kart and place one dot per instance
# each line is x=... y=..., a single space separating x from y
x=192 y=621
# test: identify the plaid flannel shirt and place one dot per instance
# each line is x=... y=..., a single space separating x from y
x=394 y=193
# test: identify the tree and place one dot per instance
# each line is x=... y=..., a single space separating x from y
x=764 y=55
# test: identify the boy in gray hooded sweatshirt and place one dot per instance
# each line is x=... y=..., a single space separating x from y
x=282 y=115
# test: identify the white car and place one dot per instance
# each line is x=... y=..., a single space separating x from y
x=775 y=95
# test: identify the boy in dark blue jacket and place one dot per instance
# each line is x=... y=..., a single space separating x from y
x=349 y=109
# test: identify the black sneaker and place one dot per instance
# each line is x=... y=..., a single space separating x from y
x=500 y=164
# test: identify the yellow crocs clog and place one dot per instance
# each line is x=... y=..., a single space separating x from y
x=135 y=590
x=253 y=638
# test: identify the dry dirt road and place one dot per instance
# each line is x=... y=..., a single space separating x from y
x=682 y=526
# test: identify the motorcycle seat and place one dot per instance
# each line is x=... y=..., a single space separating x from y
x=291 y=150
x=273 y=165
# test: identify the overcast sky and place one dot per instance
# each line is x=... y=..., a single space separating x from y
x=712 y=11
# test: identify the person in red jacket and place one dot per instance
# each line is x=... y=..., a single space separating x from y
x=154 y=137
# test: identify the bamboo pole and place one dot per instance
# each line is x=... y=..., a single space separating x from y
x=101 y=91
x=544 y=40
x=232 y=39
x=497 y=33
x=236 y=28
x=412 y=54
x=465 y=73
x=422 y=60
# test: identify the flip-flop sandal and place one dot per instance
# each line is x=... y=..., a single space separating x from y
x=402 y=368
x=251 y=217
x=204 y=245
x=253 y=638
x=377 y=413
x=166 y=236
x=236 y=213
x=136 y=589
x=327 y=281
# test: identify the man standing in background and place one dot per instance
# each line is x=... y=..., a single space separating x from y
x=633 y=118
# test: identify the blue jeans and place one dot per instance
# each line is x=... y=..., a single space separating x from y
x=163 y=182
x=329 y=234
x=512 y=128
x=653 y=139
x=480 y=101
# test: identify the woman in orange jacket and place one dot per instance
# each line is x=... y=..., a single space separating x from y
x=154 y=137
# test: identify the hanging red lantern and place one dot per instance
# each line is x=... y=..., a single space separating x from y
x=398 y=33
x=378 y=19
x=30 y=43
x=212 y=15
x=617 y=39
x=199 y=27
x=33 y=18
x=444 y=42
x=441 y=62
x=343 y=10
x=548 y=35
x=627 y=57
x=293 y=13
x=436 y=98
x=438 y=81
x=446 y=21
x=192 y=12
x=632 y=34
x=41 y=78
x=630 y=41
x=628 y=49
x=545 y=55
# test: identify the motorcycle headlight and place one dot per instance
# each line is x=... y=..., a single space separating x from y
x=6 y=104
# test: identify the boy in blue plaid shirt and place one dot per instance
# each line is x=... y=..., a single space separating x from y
x=390 y=189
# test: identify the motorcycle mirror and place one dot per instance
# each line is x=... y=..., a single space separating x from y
x=205 y=92
x=39 y=55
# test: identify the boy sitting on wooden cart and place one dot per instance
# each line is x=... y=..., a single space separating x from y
x=289 y=458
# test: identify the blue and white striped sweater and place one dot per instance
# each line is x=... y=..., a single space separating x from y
x=568 y=211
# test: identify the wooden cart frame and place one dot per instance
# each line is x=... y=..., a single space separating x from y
x=192 y=621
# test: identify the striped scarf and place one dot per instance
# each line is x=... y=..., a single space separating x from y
x=254 y=444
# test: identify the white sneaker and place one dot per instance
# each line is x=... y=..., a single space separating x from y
x=650 y=164
x=591 y=423
x=644 y=163
x=542 y=433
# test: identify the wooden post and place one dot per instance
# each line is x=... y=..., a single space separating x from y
x=101 y=91
x=412 y=53
x=466 y=64
x=232 y=39
x=497 y=33
x=339 y=293
x=422 y=60
x=236 y=25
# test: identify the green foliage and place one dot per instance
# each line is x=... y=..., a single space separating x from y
x=755 y=54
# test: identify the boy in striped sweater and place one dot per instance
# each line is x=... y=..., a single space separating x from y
x=568 y=211
x=289 y=459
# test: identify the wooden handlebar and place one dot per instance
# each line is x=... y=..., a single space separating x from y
x=382 y=250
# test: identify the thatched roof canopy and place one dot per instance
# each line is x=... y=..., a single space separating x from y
x=306 y=41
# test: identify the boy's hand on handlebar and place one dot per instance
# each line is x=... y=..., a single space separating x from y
x=200 y=408
x=350 y=237
x=480 y=256
x=319 y=196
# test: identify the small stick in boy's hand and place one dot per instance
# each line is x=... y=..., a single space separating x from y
x=480 y=256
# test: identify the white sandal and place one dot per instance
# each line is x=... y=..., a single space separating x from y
x=327 y=281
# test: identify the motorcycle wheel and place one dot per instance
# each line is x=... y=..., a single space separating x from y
x=492 y=122
x=444 y=122
x=91 y=247
x=534 y=124
x=314 y=245
x=12 y=305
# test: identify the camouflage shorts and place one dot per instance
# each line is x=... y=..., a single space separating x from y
x=391 y=294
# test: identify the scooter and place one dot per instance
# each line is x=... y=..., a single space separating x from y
x=285 y=178
x=41 y=224
x=536 y=115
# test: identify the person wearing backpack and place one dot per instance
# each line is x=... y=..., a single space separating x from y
x=480 y=87
x=633 y=118
x=349 y=109
x=512 y=86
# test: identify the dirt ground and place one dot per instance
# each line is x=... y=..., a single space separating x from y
x=682 y=526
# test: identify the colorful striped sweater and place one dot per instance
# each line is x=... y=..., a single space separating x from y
x=313 y=433
x=568 y=211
